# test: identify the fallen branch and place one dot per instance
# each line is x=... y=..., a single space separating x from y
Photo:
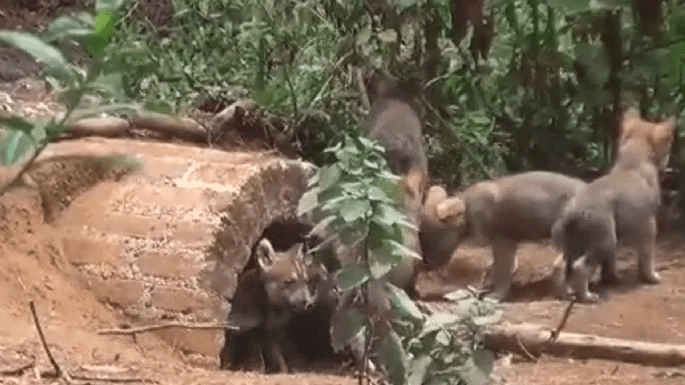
x=186 y=129
x=167 y=325
x=58 y=371
x=181 y=128
x=536 y=339
x=110 y=127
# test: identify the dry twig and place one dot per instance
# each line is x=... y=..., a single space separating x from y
x=167 y=325
x=562 y=323
x=58 y=370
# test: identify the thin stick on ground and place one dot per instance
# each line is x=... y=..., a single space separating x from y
x=564 y=319
x=525 y=351
x=167 y=325
x=108 y=379
x=58 y=370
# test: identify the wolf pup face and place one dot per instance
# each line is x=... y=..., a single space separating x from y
x=285 y=276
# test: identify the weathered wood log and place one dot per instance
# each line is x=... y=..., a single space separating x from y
x=181 y=128
x=530 y=339
x=110 y=127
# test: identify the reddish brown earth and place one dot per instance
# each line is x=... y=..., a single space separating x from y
x=32 y=268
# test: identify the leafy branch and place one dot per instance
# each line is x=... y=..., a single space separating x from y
x=83 y=92
x=357 y=201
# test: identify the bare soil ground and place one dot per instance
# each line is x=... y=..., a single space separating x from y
x=629 y=311
x=31 y=269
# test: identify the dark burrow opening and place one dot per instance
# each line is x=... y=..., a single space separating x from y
x=307 y=332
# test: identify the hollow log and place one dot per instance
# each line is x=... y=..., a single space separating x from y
x=530 y=339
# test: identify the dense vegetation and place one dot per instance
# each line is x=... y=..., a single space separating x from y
x=504 y=85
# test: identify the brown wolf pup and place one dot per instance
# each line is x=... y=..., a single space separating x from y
x=267 y=298
x=501 y=213
x=395 y=123
x=620 y=207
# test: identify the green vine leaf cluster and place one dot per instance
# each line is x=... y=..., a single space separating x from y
x=358 y=201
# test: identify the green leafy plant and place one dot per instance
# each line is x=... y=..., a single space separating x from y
x=358 y=201
x=539 y=90
x=84 y=92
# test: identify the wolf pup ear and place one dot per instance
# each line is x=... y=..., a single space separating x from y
x=265 y=254
x=450 y=209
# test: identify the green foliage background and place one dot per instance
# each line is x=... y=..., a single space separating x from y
x=542 y=99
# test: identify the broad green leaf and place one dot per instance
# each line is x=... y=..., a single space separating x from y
x=104 y=26
x=476 y=370
x=16 y=123
x=321 y=228
x=377 y=194
x=401 y=250
x=384 y=255
x=438 y=321
x=308 y=201
x=111 y=84
x=324 y=245
x=393 y=358
x=484 y=359
x=418 y=368
x=351 y=276
x=345 y=326
x=67 y=27
x=403 y=304
x=388 y=215
x=353 y=209
x=353 y=188
x=329 y=176
x=314 y=179
x=32 y=45
x=378 y=267
x=13 y=146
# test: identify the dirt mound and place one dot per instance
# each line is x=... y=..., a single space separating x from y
x=34 y=266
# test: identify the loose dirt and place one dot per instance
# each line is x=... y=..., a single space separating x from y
x=31 y=268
